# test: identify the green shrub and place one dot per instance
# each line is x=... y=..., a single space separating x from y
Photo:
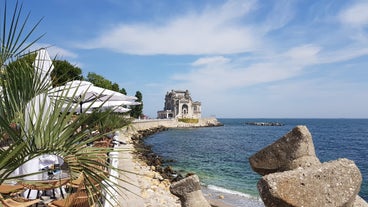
x=189 y=120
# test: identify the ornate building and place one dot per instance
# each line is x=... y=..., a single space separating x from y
x=179 y=104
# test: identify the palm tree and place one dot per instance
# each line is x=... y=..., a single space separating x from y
x=40 y=129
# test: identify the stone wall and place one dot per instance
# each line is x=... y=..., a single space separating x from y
x=174 y=123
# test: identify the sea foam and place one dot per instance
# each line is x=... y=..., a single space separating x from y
x=231 y=197
x=228 y=191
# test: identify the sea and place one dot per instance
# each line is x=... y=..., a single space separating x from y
x=219 y=155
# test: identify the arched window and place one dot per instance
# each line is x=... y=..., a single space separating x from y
x=184 y=109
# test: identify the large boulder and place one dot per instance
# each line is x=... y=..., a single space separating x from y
x=360 y=202
x=189 y=192
x=334 y=183
x=293 y=150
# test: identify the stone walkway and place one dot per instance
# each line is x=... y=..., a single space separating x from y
x=142 y=187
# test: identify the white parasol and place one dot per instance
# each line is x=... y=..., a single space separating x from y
x=81 y=92
x=43 y=66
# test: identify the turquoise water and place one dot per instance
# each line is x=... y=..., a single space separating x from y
x=219 y=155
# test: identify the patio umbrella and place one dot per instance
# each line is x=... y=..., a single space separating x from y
x=114 y=108
x=36 y=114
x=111 y=104
x=81 y=92
x=43 y=66
x=120 y=109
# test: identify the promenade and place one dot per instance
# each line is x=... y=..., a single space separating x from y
x=143 y=187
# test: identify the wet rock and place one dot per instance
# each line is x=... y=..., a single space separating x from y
x=177 y=177
x=334 y=183
x=189 y=192
x=168 y=169
x=265 y=123
x=293 y=150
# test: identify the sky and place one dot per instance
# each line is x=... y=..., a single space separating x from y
x=239 y=58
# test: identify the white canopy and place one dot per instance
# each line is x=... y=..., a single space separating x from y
x=43 y=65
x=120 y=109
x=81 y=92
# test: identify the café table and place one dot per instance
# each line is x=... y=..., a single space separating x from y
x=35 y=165
x=46 y=180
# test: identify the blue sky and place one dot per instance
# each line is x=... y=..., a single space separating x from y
x=240 y=58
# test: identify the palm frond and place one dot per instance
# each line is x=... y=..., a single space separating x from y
x=44 y=125
x=14 y=40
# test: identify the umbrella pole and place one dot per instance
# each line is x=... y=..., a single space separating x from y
x=80 y=104
x=80 y=114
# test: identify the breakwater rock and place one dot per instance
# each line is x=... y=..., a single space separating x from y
x=293 y=150
x=265 y=123
x=189 y=192
x=293 y=175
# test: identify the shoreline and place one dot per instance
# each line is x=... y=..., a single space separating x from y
x=141 y=186
x=154 y=179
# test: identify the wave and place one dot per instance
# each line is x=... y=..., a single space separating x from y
x=231 y=192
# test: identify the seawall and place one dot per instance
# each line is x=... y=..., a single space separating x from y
x=174 y=123
x=146 y=186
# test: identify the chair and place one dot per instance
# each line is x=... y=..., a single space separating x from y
x=11 y=190
x=76 y=182
x=18 y=202
x=82 y=197
x=104 y=143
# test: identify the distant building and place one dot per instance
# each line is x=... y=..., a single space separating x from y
x=179 y=104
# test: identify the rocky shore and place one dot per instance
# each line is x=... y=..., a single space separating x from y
x=145 y=154
x=147 y=182
x=292 y=175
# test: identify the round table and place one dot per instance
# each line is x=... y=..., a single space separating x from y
x=45 y=181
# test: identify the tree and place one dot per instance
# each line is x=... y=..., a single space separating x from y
x=99 y=80
x=102 y=82
x=137 y=110
x=115 y=87
x=64 y=72
x=123 y=91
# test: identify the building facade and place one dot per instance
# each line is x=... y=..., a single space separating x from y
x=179 y=104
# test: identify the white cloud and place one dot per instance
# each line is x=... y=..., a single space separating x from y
x=343 y=54
x=305 y=54
x=215 y=30
x=215 y=60
x=228 y=76
x=281 y=13
x=355 y=15
x=218 y=73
